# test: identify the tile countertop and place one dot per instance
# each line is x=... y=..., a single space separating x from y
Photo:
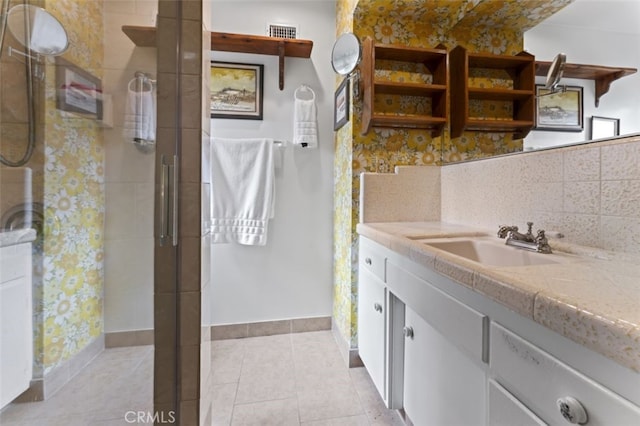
x=593 y=298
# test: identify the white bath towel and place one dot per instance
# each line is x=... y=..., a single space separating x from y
x=243 y=190
x=140 y=116
x=305 y=123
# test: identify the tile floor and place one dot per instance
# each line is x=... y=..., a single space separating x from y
x=290 y=379
x=116 y=381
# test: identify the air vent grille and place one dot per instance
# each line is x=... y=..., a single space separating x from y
x=282 y=30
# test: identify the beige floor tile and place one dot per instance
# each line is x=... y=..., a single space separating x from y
x=282 y=412
x=272 y=382
x=224 y=397
x=339 y=400
x=360 y=420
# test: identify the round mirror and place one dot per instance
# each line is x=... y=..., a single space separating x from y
x=37 y=29
x=555 y=71
x=346 y=54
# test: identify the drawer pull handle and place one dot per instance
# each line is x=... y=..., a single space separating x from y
x=377 y=307
x=368 y=261
x=408 y=332
x=572 y=410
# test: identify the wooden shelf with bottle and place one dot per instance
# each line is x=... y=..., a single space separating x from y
x=521 y=70
x=435 y=64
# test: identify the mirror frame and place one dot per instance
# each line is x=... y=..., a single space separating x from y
x=346 y=40
x=18 y=13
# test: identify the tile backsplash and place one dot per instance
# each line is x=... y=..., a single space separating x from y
x=590 y=193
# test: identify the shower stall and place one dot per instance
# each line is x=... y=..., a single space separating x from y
x=80 y=198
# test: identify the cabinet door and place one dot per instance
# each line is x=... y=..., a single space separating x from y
x=371 y=327
x=442 y=385
x=506 y=410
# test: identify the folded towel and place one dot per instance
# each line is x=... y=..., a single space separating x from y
x=305 y=124
x=243 y=190
x=140 y=116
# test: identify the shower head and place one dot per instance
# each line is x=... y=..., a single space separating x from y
x=37 y=30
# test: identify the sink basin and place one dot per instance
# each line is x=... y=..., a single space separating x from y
x=493 y=253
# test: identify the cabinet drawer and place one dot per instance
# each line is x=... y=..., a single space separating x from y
x=506 y=410
x=459 y=323
x=539 y=381
x=372 y=259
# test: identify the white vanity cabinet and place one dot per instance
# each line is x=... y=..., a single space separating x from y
x=444 y=374
x=506 y=410
x=372 y=314
x=552 y=390
x=467 y=360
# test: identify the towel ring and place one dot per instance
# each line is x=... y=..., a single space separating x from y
x=304 y=88
x=145 y=84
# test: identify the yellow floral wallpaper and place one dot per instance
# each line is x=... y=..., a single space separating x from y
x=73 y=253
x=343 y=221
x=491 y=26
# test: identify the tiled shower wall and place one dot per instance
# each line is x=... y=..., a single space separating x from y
x=590 y=193
x=182 y=127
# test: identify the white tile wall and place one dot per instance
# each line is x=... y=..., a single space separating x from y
x=129 y=176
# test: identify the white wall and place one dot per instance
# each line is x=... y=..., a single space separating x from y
x=587 y=46
x=129 y=175
x=290 y=277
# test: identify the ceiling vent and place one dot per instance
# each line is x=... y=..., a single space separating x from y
x=282 y=30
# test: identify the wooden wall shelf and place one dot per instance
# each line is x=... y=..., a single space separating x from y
x=435 y=62
x=241 y=43
x=603 y=76
x=522 y=96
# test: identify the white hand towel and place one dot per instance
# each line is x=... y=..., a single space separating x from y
x=305 y=123
x=243 y=190
x=140 y=116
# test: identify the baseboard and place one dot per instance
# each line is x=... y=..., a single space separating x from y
x=54 y=380
x=120 y=339
x=350 y=355
x=269 y=328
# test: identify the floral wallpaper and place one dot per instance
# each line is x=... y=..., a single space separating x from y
x=491 y=26
x=344 y=292
x=73 y=253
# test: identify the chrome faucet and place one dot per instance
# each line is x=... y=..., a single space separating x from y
x=538 y=243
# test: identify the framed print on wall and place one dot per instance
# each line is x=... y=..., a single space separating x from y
x=77 y=90
x=341 y=105
x=236 y=90
x=604 y=127
x=561 y=111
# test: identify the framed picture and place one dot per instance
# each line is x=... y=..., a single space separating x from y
x=77 y=91
x=604 y=127
x=236 y=90
x=341 y=105
x=560 y=111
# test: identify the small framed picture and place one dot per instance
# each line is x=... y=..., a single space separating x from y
x=560 y=111
x=77 y=91
x=604 y=127
x=341 y=105
x=236 y=90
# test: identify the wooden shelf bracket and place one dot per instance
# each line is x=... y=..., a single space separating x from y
x=603 y=76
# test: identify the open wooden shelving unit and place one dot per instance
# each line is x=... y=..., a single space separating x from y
x=435 y=61
x=520 y=68
x=241 y=43
x=603 y=76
